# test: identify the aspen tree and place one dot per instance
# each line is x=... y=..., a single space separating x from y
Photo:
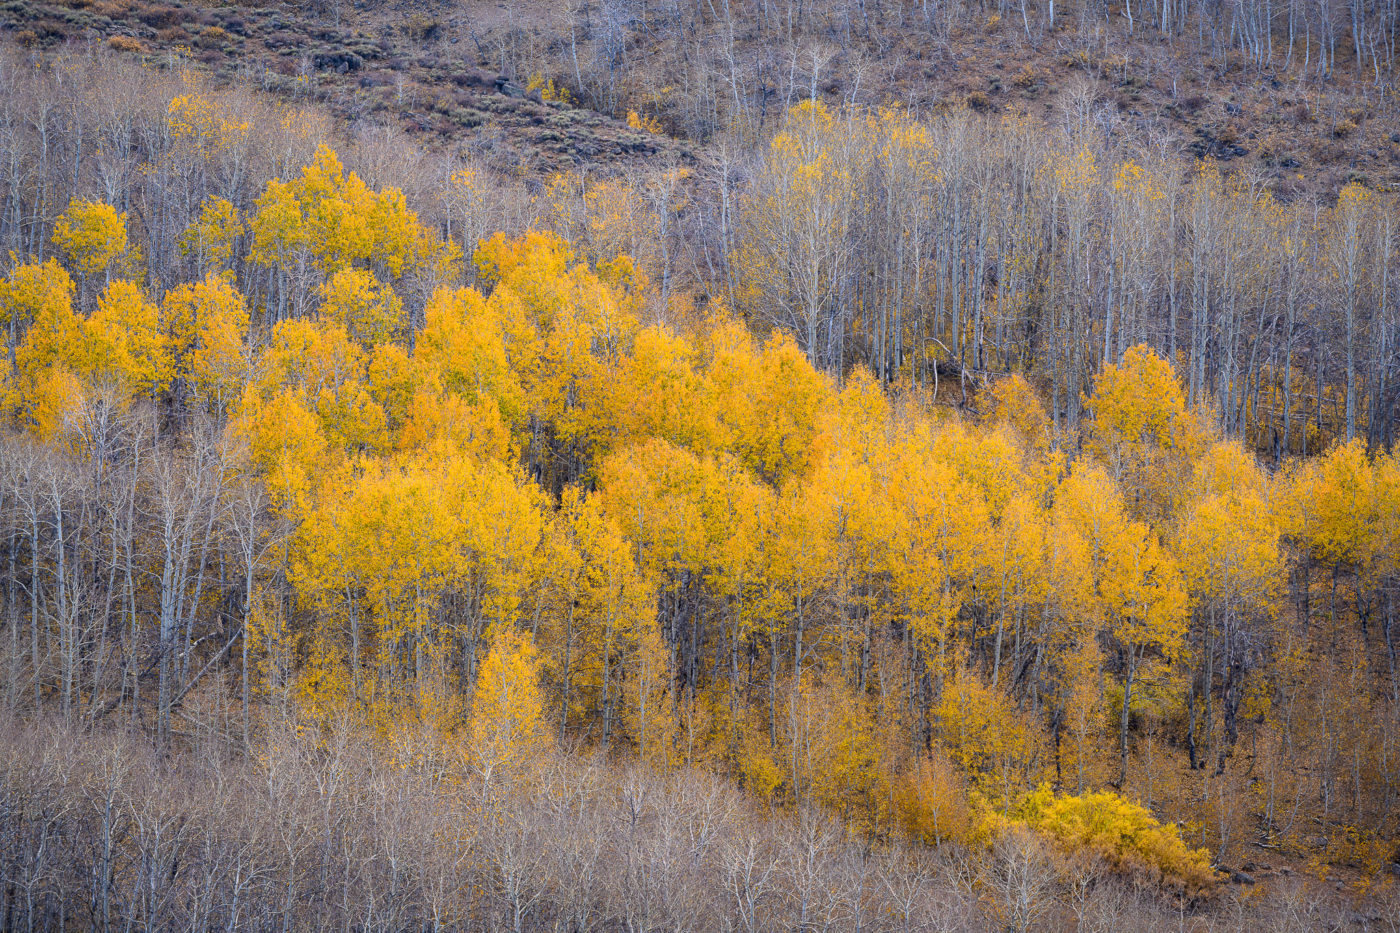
x=507 y=731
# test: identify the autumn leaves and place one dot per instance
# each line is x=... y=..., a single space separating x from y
x=527 y=511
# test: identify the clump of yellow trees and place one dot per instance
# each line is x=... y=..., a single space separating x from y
x=533 y=511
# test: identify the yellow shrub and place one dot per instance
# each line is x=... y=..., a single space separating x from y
x=126 y=44
x=647 y=124
x=549 y=91
x=1122 y=833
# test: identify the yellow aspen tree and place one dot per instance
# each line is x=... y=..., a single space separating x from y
x=775 y=439
x=211 y=240
x=658 y=392
x=1013 y=401
x=985 y=735
x=1143 y=432
x=1232 y=564
x=36 y=301
x=286 y=442
x=462 y=349
x=92 y=236
x=945 y=539
x=281 y=241
x=836 y=740
x=649 y=713
x=125 y=340
x=934 y=801
x=206 y=325
x=368 y=310
x=327 y=219
x=1079 y=683
x=327 y=370
x=507 y=732
x=1015 y=574
x=615 y=608
x=796 y=221
x=570 y=327
x=1118 y=576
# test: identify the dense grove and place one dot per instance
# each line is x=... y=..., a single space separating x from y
x=478 y=568
x=930 y=251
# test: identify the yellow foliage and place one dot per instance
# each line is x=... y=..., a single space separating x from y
x=1341 y=506
x=92 y=235
x=1125 y=835
x=37 y=300
x=201 y=125
x=125 y=341
x=548 y=90
x=645 y=124
x=837 y=750
x=1140 y=402
x=434 y=530
x=507 y=731
x=206 y=324
x=983 y=734
x=210 y=240
x=774 y=439
x=1014 y=402
x=285 y=442
x=933 y=802
x=1230 y=534
x=723 y=554
x=1143 y=431
x=461 y=350
x=335 y=218
x=368 y=310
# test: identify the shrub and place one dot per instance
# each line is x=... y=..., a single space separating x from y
x=126 y=44
x=645 y=123
x=421 y=28
x=932 y=802
x=162 y=17
x=215 y=37
x=1125 y=835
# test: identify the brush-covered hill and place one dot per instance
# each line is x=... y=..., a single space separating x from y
x=544 y=87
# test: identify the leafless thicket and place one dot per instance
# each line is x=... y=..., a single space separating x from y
x=326 y=831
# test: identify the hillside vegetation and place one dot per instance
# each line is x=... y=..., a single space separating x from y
x=865 y=517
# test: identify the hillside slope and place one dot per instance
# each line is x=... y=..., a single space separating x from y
x=459 y=76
